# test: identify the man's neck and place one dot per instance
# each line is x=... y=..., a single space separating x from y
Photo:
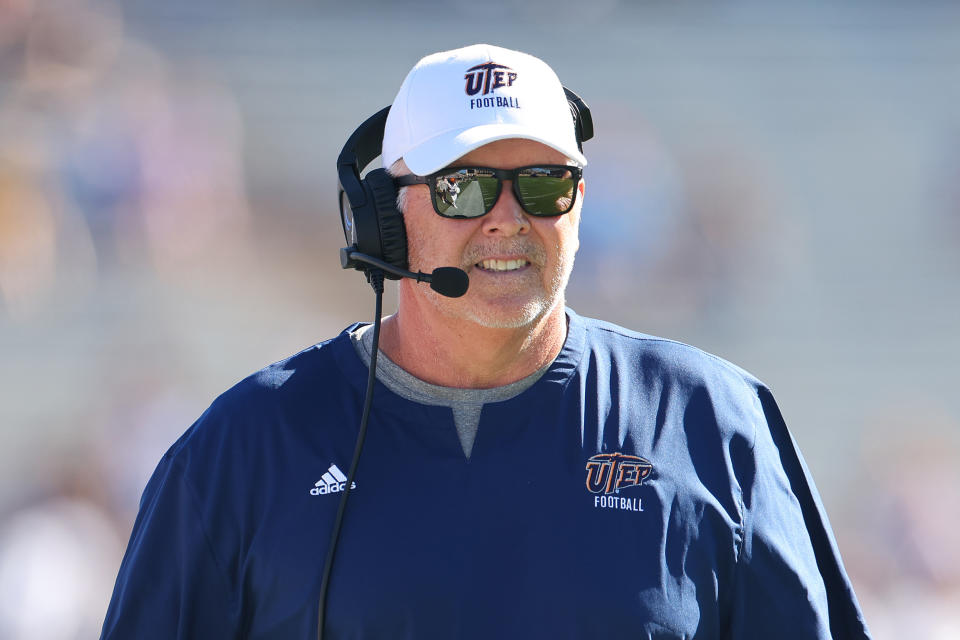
x=453 y=352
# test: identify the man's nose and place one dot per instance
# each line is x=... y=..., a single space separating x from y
x=507 y=217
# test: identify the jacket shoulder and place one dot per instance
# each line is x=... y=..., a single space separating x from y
x=258 y=400
x=676 y=360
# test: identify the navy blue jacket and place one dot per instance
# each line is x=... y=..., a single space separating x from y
x=640 y=489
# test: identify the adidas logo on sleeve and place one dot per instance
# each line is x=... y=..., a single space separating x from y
x=333 y=481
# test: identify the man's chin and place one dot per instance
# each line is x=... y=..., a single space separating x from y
x=508 y=314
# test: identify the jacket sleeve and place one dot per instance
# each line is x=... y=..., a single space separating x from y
x=171 y=585
x=790 y=581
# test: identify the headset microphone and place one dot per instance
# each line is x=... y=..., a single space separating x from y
x=447 y=281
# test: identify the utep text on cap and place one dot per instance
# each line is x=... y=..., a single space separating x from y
x=453 y=102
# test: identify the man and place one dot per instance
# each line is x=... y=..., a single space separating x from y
x=528 y=473
x=453 y=190
x=448 y=190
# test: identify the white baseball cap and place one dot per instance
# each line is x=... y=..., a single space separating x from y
x=453 y=102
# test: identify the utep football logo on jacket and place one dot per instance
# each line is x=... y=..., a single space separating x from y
x=608 y=473
x=487 y=78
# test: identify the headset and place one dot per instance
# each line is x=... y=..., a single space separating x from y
x=377 y=245
x=372 y=224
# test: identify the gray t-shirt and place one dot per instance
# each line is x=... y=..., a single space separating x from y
x=465 y=403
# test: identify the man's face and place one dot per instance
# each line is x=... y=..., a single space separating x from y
x=518 y=264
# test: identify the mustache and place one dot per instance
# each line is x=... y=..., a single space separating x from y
x=532 y=251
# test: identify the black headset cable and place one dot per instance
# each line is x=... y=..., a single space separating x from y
x=375 y=277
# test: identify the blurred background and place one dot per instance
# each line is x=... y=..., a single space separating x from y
x=776 y=183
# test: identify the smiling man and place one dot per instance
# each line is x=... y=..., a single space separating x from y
x=527 y=472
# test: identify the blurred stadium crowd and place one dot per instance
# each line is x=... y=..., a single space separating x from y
x=775 y=185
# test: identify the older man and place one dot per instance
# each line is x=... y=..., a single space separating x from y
x=528 y=473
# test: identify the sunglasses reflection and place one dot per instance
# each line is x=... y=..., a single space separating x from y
x=473 y=192
x=546 y=193
x=447 y=191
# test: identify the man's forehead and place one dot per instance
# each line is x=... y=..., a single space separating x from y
x=512 y=152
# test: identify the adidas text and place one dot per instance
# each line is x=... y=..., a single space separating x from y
x=333 y=481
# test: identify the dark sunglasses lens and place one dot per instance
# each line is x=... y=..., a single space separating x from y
x=546 y=191
x=465 y=193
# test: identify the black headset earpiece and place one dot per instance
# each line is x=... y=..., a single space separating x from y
x=368 y=206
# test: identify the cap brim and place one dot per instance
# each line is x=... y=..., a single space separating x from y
x=440 y=151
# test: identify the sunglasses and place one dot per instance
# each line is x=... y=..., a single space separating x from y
x=470 y=192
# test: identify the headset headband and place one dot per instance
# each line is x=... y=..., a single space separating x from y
x=360 y=149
